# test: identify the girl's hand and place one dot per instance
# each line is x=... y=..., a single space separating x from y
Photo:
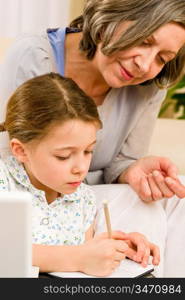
x=140 y=249
x=102 y=255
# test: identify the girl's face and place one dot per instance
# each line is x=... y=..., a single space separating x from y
x=142 y=62
x=60 y=161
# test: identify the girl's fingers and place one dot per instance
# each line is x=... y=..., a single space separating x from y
x=141 y=249
x=146 y=256
x=131 y=253
x=155 y=252
x=115 y=264
x=120 y=246
x=117 y=235
x=119 y=256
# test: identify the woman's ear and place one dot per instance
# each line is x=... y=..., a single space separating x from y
x=18 y=150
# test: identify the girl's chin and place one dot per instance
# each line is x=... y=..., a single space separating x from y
x=69 y=191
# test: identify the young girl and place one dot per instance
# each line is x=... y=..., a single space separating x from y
x=52 y=126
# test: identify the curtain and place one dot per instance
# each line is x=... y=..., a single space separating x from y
x=20 y=16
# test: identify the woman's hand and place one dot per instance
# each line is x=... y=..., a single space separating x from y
x=140 y=249
x=102 y=255
x=176 y=186
x=147 y=177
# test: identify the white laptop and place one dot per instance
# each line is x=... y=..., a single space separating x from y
x=15 y=235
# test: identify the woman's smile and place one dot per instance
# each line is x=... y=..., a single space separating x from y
x=125 y=73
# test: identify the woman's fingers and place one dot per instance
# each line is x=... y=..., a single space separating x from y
x=158 y=187
x=156 y=193
x=145 y=191
x=159 y=180
x=176 y=187
x=169 y=167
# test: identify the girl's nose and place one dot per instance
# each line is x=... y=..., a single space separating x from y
x=80 y=167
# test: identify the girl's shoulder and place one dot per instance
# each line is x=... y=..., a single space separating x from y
x=87 y=192
x=3 y=175
x=85 y=188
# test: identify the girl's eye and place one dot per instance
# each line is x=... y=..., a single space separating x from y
x=62 y=157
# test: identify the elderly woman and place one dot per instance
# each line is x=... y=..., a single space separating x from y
x=124 y=54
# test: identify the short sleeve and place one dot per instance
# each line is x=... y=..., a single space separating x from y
x=89 y=206
x=3 y=178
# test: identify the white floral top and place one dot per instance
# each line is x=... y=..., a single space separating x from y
x=64 y=221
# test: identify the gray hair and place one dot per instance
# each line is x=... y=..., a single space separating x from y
x=101 y=18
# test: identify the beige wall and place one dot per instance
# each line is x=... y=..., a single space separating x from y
x=76 y=7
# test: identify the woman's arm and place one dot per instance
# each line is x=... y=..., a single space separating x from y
x=137 y=142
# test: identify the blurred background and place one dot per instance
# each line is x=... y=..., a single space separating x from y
x=21 y=16
x=18 y=16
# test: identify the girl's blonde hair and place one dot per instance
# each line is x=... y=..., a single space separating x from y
x=100 y=19
x=44 y=101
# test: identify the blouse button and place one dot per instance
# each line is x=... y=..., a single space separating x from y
x=44 y=221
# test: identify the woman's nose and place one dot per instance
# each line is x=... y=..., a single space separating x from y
x=144 y=62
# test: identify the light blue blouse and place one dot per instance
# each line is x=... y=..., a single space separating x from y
x=57 y=39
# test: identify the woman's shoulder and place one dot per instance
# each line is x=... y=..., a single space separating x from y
x=142 y=93
x=30 y=41
x=29 y=54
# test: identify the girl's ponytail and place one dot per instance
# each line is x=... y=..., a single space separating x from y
x=2 y=127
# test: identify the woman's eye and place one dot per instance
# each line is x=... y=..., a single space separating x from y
x=145 y=43
x=89 y=152
x=162 y=60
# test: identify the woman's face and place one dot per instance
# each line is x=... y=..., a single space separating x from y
x=142 y=62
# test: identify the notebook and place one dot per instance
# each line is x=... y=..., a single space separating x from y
x=127 y=269
x=15 y=235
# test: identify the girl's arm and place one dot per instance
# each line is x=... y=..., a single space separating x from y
x=98 y=256
x=56 y=258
